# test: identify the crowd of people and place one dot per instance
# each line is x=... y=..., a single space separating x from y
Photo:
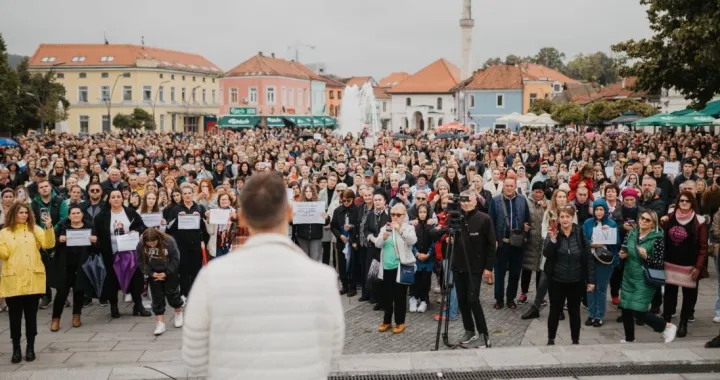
x=583 y=212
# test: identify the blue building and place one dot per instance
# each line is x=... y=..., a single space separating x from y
x=490 y=94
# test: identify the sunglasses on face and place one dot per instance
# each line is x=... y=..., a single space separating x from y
x=396 y=215
x=645 y=219
x=683 y=200
x=421 y=198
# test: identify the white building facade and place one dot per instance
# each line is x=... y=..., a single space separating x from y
x=421 y=112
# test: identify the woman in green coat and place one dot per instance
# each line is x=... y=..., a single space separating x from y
x=644 y=246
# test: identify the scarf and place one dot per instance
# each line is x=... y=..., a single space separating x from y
x=684 y=217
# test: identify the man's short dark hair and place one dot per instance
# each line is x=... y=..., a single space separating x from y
x=263 y=201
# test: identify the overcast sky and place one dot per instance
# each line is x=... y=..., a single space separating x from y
x=352 y=37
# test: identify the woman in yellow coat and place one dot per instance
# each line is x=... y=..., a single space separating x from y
x=22 y=281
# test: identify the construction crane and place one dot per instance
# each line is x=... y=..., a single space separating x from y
x=297 y=46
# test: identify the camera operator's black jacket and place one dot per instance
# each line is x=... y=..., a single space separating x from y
x=477 y=238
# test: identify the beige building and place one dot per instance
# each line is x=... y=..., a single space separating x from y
x=180 y=89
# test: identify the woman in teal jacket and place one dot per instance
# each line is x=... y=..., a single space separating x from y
x=597 y=299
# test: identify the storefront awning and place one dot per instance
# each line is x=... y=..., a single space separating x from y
x=238 y=121
x=318 y=121
x=275 y=121
x=304 y=121
x=330 y=121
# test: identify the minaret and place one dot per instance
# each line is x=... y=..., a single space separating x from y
x=466 y=26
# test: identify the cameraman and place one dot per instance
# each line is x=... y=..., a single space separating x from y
x=474 y=257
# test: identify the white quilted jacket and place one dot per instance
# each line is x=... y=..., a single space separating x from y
x=266 y=311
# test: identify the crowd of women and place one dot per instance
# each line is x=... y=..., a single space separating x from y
x=385 y=210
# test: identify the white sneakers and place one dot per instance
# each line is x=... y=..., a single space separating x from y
x=669 y=333
x=159 y=328
x=422 y=307
x=625 y=341
x=413 y=305
x=716 y=320
x=178 y=319
x=128 y=298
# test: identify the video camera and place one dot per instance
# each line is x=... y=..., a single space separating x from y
x=455 y=215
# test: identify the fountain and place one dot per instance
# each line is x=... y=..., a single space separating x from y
x=358 y=110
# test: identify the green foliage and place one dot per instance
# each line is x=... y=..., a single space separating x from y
x=512 y=59
x=492 y=62
x=597 y=67
x=569 y=113
x=603 y=110
x=550 y=57
x=682 y=53
x=9 y=98
x=542 y=106
x=139 y=119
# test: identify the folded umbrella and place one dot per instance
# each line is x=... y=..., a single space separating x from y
x=95 y=272
x=125 y=264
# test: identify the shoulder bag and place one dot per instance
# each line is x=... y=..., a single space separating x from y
x=517 y=237
x=407 y=272
x=653 y=277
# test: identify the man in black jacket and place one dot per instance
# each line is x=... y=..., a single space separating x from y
x=473 y=259
x=667 y=191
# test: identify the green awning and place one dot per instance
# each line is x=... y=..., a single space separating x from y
x=330 y=121
x=275 y=121
x=712 y=108
x=304 y=121
x=657 y=120
x=318 y=121
x=238 y=121
x=681 y=112
x=694 y=119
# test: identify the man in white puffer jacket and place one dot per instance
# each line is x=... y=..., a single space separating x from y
x=266 y=311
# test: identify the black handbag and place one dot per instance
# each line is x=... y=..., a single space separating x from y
x=653 y=277
x=517 y=237
x=603 y=255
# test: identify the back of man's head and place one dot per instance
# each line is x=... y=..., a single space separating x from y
x=263 y=201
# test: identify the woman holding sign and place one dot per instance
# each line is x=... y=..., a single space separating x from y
x=188 y=228
x=73 y=247
x=111 y=223
x=309 y=236
x=221 y=234
x=606 y=258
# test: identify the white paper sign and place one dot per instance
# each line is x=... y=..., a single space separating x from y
x=671 y=168
x=188 y=222
x=152 y=220
x=78 y=238
x=308 y=212
x=219 y=216
x=609 y=171
x=317 y=136
x=128 y=242
x=290 y=195
x=606 y=236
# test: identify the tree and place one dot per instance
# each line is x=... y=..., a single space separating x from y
x=512 y=59
x=9 y=84
x=682 y=53
x=550 y=57
x=542 y=106
x=142 y=119
x=569 y=113
x=604 y=110
x=492 y=62
x=597 y=67
x=122 y=121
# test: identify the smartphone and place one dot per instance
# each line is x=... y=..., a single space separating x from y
x=388 y=227
x=44 y=213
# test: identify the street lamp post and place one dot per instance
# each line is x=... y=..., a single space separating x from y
x=155 y=100
x=108 y=102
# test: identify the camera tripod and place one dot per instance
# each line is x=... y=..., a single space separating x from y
x=447 y=286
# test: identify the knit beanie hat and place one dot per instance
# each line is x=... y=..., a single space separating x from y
x=629 y=192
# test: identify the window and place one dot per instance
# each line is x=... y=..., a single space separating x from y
x=182 y=95
x=48 y=59
x=557 y=87
x=472 y=100
x=83 y=94
x=233 y=95
x=533 y=98
x=126 y=75
x=193 y=79
x=213 y=80
x=300 y=99
x=172 y=94
x=104 y=75
x=147 y=94
x=408 y=102
x=78 y=59
x=82 y=75
x=500 y=100
x=332 y=110
x=204 y=96
x=162 y=123
x=291 y=97
x=107 y=59
x=213 y=96
x=384 y=106
x=253 y=95
x=337 y=110
x=172 y=76
x=105 y=123
x=439 y=105
x=270 y=95
x=203 y=79
x=173 y=122
x=332 y=94
x=84 y=124
x=105 y=93
x=161 y=94
x=183 y=77
x=127 y=94
x=161 y=76
x=284 y=96
x=339 y=94
x=194 y=95
x=60 y=75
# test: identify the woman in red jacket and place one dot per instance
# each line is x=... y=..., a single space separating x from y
x=583 y=177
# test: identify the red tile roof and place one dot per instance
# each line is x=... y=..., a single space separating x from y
x=358 y=81
x=380 y=93
x=262 y=65
x=625 y=88
x=438 y=77
x=545 y=73
x=393 y=79
x=330 y=82
x=84 y=55
x=307 y=71
x=498 y=77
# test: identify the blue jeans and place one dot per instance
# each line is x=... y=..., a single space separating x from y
x=453 y=313
x=511 y=258
x=597 y=299
x=717 y=303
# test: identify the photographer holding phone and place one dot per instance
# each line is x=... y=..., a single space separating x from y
x=48 y=204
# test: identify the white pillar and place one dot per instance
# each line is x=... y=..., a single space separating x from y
x=466 y=26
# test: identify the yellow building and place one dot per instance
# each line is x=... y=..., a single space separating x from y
x=180 y=89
